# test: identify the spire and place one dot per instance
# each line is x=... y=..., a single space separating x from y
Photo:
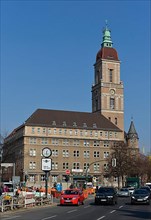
x=107 y=41
x=132 y=131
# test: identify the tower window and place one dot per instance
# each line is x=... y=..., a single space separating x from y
x=112 y=103
x=116 y=121
x=110 y=75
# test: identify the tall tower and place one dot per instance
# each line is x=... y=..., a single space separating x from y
x=107 y=90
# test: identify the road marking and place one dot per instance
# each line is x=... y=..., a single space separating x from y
x=112 y=211
x=87 y=206
x=101 y=217
x=49 y=217
x=120 y=206
x=17 y=216
x=74 y=210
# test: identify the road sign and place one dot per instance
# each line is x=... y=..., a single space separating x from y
x=46 y=164
x=68 y=172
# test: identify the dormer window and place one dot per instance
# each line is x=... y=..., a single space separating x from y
x=74 y=124
x=64 y=123
x=84 y=125
x=54 y=123
x=94 y=125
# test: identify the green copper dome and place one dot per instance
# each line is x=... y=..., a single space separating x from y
x=107 y=41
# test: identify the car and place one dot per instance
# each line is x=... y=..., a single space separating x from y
x=140 y=196
x=107 y=195
x=72 y=197
x=131 y=190
x=147 y=188
x=124 y=192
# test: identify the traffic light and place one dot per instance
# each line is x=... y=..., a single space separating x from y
x=66 y=178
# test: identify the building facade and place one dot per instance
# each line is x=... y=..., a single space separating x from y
x=80 y=142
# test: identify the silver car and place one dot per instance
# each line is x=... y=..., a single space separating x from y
x=124 y=192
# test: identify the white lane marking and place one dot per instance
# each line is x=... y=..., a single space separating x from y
x=112 y=211
x=17 y=216
x=87 y=206
x=120 y=206
x=101 y=217
x=74 y=210
x=49 y=217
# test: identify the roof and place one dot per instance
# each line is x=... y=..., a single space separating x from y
x=61 y=118
x=108 y=53
x=132 y=131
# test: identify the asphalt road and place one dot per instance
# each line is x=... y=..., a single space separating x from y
x=89 y=211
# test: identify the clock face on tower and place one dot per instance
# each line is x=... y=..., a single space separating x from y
x=46 y=152
x=112 y=91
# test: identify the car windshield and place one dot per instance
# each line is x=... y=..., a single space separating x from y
x=141 y=191
x=106 y=190
x=124 y=190
x=70 y=192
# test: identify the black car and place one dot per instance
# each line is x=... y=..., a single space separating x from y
x=106 y=195
x=140 y=196
x=147 y=188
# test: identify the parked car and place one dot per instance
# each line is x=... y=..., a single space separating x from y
x=124 y=192
x=106 y=195
x=140 y=196
x=72 y=197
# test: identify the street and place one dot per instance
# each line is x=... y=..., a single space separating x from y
x=89 y=211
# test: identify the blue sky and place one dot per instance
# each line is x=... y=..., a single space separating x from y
x=48 y=49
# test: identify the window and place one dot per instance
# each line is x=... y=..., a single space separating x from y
x=65 y=142
x=74 y=124
x=91 y=133
x=106 y=166
x=54 y=141
x=44 y=130
x=32 y=152
x=32 y=178
x=96 y=144
x=112 y=103
x=65 y=166
x=116 y=121
x=86 y=143
x=65 y=153
x=32 y=165
x=86 y=154
x=33 y=130
x=76 y=132
x=106 y=154
x=54 y=179
x=32 y=140
x=55 y=153
x=96 y=167
x=54 y=131
x=115 y=134
x=44 y=141
x=106 y=144
x=64 y=123
x=106 y=134
x=86 y=166
x=76 y=153
x=76 y=165
x=65 y=132
x=96 y=154
x=60 y=131
x=81 y=133
x=54 y=166
x=96 y=133
x=109 y=118
x=70 y=132
x=38 y=130
x=42 y=177
x=101 y=133
x=76 y=142
x=110 y=75
x=110 y=134
x=49 y=130
x=85 y=133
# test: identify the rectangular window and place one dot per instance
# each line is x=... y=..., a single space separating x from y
x=55 y=153
x=38 y=130
x=42 y=177
x=96 y=154
x=54 y=166
x=76 y=153
x=101 y=133
x=65 y=153
x=76 y=132
x=91 y=133
x=106 y=167
x=44 y=130
x=76 y=165
x=54 y=141
x=44 y=141
x=32 y=178
x=49 y=130
x=86 y=154
x=86 y=165
x=106 y=154
x=60 y=131
x=110 y=75
x=32 y=165
x=106 y=144
x=106 y=134
x=32 y=152
x=76 y=142
x=65 y=142
x=86 y=143
x=96 y=143
x=96 y=167
x=32 y=140
x=54 y=131
x=65 y=166
x=115 y=121
x=33 y=130
x=112 y=103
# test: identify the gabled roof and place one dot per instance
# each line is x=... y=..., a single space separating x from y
x=61 y=118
